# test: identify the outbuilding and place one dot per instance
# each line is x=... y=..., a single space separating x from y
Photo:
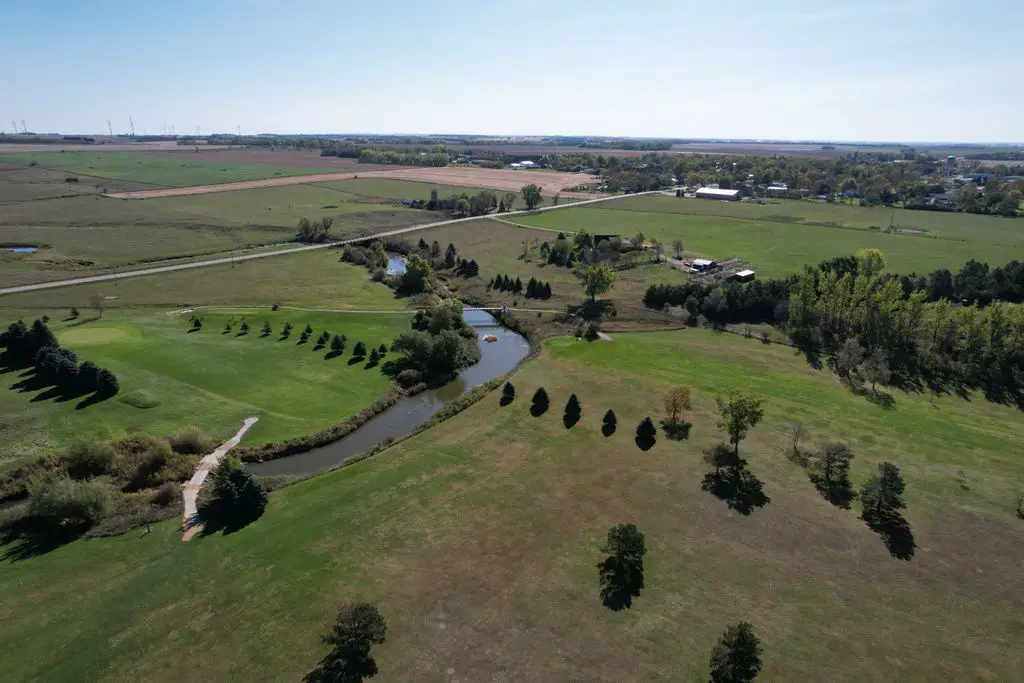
x=742 y=276
x=702 y=265
x=716 y=193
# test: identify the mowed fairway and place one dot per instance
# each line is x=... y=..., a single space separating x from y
x=170 y=378
x=776 y=248
x=479 y=541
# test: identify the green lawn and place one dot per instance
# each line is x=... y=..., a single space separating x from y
x=311 y=278
x=774 y=248
x=479 y=538
x=207 y=378
x=151 y=169
x=1007 y=232
x=386 y=188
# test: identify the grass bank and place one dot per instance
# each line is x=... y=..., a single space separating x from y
x=485 y=530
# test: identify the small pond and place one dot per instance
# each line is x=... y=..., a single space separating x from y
x=396 y=264
x=496 y=359
x=21 y=250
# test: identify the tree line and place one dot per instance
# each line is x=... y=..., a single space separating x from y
x=534 y=289
x=54 y=365
x=315 y=231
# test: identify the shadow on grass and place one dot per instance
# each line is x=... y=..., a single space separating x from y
x=356 y=360
x=506 y=400
x=332 y=354
x=737 y=486
x=608 y=428
x=621 y=581
x=538 y=409
x=645 y=444
x=28 y=538
x=371 y=365
x=214 y=518
x=84 y=321
x=570 y=420
x=193 y=329
x=91 y=400
x=840 y=494
x=895 y=532
x=676 y=430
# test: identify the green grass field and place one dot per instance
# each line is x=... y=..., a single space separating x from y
x=150 y=169
x=497 y=247
x=311 y=278
x=776 y=248
x=207 y=378
x=1007 y=232
x=479 y=538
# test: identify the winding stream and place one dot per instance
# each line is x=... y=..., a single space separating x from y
x=496 y=359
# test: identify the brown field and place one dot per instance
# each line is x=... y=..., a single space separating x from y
x=497 y=179
x=302 y=158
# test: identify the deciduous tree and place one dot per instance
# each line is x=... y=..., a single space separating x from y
x=597 y=279
x=738 y=412
x=736 y=658
x=531 y=196
x=357 y=628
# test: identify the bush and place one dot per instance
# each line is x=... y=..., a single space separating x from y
x=190 y=441
x=169 y=493
x=360 y=350
x=86 y=460
x=141 y=460
x=408 y=378
x=645 y=434
x=106 y=383
x=508 y=394
x=540 y=403
x=61 y=501
x=239 y=497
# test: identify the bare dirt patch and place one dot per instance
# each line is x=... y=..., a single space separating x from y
x=497 y=179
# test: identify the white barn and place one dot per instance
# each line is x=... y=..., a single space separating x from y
x=715 y=193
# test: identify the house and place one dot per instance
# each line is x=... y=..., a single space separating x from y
x=742 y=276
x=715 y=193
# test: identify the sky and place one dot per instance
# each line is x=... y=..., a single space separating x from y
x=871 y=70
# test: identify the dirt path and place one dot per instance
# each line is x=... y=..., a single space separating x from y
x=191 y=490
x=496 y=179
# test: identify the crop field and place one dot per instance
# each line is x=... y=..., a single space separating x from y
x=150 y=169
x=479 y=542
x=171 y=377
x=775 y=248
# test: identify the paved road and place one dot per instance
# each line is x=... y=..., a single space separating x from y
x=293 y=250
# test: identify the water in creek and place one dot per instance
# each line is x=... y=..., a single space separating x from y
x=496 y=359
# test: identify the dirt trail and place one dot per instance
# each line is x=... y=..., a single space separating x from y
x=497 y=179
x=190 y=491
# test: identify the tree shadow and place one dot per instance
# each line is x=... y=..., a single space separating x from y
x=608 y=428
x=371 y=365
x=810 y=351
x=91 y=400
x=193 y=329
x=332 y=354
x=737 y=486
x=895 y=532
x=27 y=538
x=84 y=321
x=319 y=346
x=214 y=518
x=227 y=331
x=676 y=430
x=356 y=360
x=283 y=337
x=52 y=392
x=241 y=334
x=593 y=310
x=645 y=444
x=840 y=494
x=538 y=409
x=570 y=420
x=505 y=400
x=620 y=582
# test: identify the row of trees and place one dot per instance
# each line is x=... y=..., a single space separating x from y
x=535 y=289
x=54 y=365
x=394 y=158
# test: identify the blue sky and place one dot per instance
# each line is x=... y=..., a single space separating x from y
x=870 y=70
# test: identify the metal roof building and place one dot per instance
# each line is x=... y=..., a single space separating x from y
x=714 y=193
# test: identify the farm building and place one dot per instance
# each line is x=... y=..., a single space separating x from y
x=701 y=265
x=742 y=276
x=715 y=193
x=523 y=165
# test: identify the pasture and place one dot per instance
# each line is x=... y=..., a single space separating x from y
x=479 y=539
x=777 y=248
x=150 y=169
x=211 y=378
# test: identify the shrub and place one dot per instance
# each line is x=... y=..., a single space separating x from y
x=106 y=383
x=508 y=393
x=383 y=349
x=239 y=497
x=360 y=350
x=141 y=460
x=275 y=307
x=61 y=501
x=197 y=324
x=189 y=440
x=374 y=356
x=540 y=402
x=244 y=328
x=267 y=329
x=169 y=493
x=74 y=313
x=410 y=377
x=90 y=459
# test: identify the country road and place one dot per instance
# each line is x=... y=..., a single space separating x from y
x=293 y=250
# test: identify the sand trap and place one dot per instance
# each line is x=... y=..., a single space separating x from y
x=92 y=335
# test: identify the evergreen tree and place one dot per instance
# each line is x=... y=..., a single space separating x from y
x=573 y=411
x=646 y=434
x=736 y=658
x=360 y=350
x=356 y=630
x=540 y=402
